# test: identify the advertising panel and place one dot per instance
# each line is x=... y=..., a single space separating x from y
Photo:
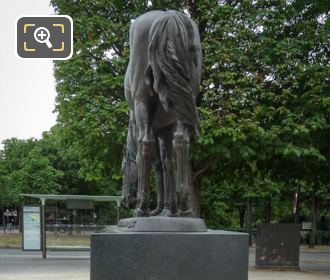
x=31 y=228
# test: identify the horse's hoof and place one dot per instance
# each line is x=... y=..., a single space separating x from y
x=141 y=213
x=168 y=213
x=156 y=211
x=187 y=213
x=174 y=214
x=165 y=212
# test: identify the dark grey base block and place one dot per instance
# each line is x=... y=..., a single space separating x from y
x=278 y=245
x=211 y=255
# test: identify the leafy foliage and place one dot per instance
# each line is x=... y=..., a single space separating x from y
x=26 y=170
x=264 y=106
x=264 y=100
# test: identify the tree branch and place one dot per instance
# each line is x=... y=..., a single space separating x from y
x=199 y=172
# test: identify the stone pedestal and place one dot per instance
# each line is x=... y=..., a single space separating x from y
x=278 y=245
x=210 y=255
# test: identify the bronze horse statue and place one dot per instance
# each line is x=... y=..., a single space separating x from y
x=161 y=85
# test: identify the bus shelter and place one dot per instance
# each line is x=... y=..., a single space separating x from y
x=44 y=197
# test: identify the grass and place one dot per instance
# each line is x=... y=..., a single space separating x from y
x=14 y=240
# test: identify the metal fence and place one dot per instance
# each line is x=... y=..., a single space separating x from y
x=74 y=228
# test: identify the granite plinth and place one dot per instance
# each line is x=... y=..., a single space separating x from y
x=162 y=224
x=210 y=255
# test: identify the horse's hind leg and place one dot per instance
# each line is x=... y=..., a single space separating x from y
x=181 y=147
x=144 y=153
x=170 y=203
x=129 y=167
x=157 y=163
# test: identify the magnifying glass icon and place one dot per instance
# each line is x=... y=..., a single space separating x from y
x=41 y=35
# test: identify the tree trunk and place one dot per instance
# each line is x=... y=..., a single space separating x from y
x=4 y=220
x=197 y=198
x=297 y=213
x=20 y=218
x=192 y=9
x=268 y=210
x=195 y=188
x=314 y=211
x=195 y=195
x=241 y=214
x=249 y=220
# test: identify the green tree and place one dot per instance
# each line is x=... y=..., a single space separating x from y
x=65 y=158
x=265 y=115
x=264 y=103
x=24 y=169
x=35 y=175
x=5 y=199
x=11 y=156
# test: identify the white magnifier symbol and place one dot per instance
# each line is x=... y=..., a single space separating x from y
x=41 y=35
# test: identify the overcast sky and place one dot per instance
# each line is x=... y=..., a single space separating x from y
x=27 y=87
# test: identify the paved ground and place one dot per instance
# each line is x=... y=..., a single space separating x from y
x=309 y=261
x=281 y=275
x=18 y=265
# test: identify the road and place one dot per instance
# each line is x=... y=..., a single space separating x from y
x=74 y=265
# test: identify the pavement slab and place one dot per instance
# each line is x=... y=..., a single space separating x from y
x=44 y=276
x=253 y=275
x=16 y=264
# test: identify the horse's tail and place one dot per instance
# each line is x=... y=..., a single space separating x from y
x=168 y=74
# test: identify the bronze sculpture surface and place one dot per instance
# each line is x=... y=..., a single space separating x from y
x=161 y=86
